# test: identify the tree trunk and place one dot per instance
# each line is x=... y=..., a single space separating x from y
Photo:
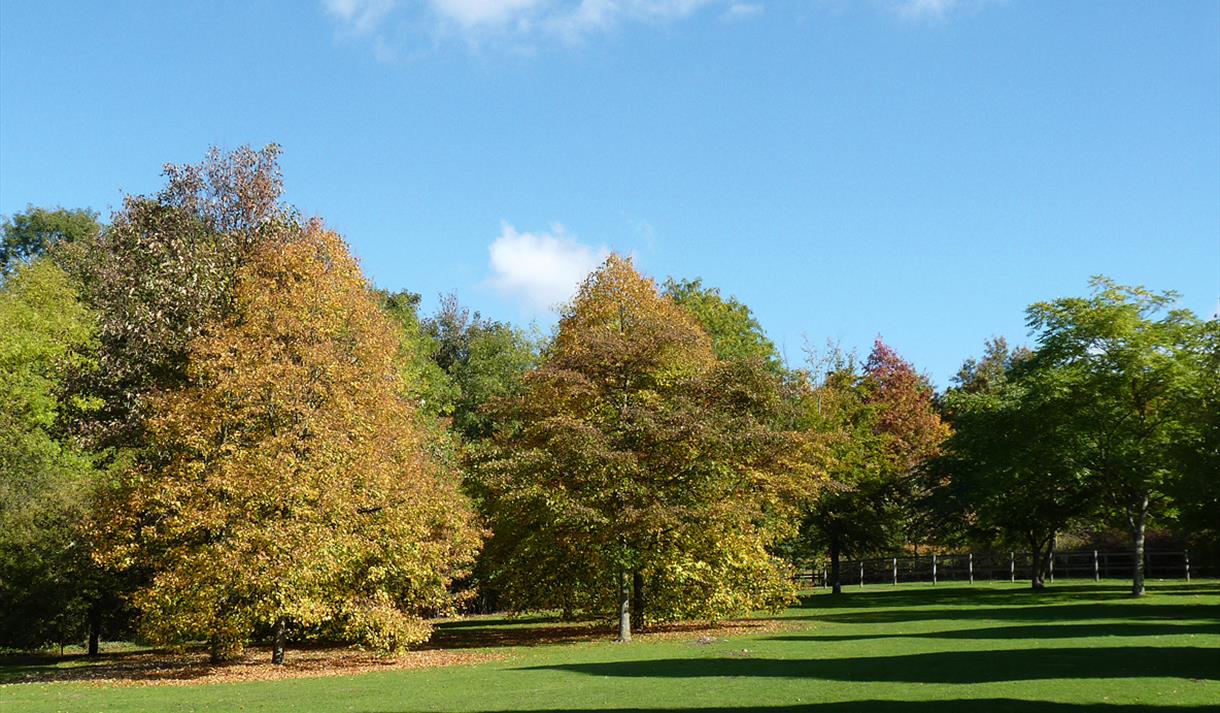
x=1037 y=564
x=218 y=652
x=637 y=600
x=837 y=586
x=1137 y=537
x=624 y=607
x=95 y=635
x=277 y=646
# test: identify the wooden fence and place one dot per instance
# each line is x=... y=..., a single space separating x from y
x=1004 y=567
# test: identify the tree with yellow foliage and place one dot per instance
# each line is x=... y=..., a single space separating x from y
x=636 y=470
x=286 y=488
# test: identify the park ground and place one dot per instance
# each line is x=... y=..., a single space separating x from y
x=1073 y=648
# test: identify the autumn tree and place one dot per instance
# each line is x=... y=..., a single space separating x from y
x=286 y=487
x=879 y=427
x=161 y=271
x=1118 y=362
x=642 y=472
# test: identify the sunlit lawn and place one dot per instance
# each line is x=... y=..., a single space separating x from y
x=1077 y=647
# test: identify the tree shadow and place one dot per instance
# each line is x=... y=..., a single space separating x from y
x=985 y=595
x=1038 y=631
x=979 y=705
x=507 y=631
x=1130 y=611
x=941 y=667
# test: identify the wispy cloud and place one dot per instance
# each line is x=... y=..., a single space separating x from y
x=541 y=269
x=514 y=22
x=742 y=10
x=361 y=17
x=932 y=10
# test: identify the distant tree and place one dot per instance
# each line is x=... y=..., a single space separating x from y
x=486 y=361
x=1010 y=469
x=1120 y=360
x=46 y=478
x=428 y=385
x=642 y=471
x=879 y=427
x=286 y=485
x=1196 y=492
x=736 y=334
x=26 y=236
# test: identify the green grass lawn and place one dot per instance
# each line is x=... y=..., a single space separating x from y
x=914 y=649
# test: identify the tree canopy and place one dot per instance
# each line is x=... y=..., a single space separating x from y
x=641 y=469
x=287 y=486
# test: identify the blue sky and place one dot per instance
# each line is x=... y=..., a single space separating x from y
x=922 y=170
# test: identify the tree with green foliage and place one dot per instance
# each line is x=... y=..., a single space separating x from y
x=429 y=386
x=735 y=332
x=46 y=478
x=24 y=237
x=1196 y=492
x=1010 y=469
x=1118 y=363
x=641 y=471
x=486 y=361
x=286 y=487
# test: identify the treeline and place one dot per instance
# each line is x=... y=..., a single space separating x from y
x=214 y=429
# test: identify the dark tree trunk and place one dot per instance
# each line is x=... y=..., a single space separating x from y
x=836 y=584
x=220 y=650
x=95 y=635
x=1037 y=563
x=637 y=601
x=624 y=607
x=1137 y=540
x=277 y=645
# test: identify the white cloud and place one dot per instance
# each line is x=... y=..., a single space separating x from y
x=359 y=16
x=543 y=269
x=479 y=12
x=933 y=10
x=742 y=10
x=514 y=21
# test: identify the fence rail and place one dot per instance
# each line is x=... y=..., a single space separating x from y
x=1005 y=567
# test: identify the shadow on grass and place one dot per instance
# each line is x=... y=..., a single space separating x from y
x=507 y=631
x=1040 y=631
x=1127 y=611
x=940 y=667
x=148 y=665
x=985 y=595
x=980 y=705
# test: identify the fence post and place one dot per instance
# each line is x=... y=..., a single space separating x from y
x=1012 y=567
x=933 y=569
x=1096 y=570
x=861 y=574
x=1186 y=554
x=825 y=584
x=896 y=569
x=1052 y=566
x=970 y=564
